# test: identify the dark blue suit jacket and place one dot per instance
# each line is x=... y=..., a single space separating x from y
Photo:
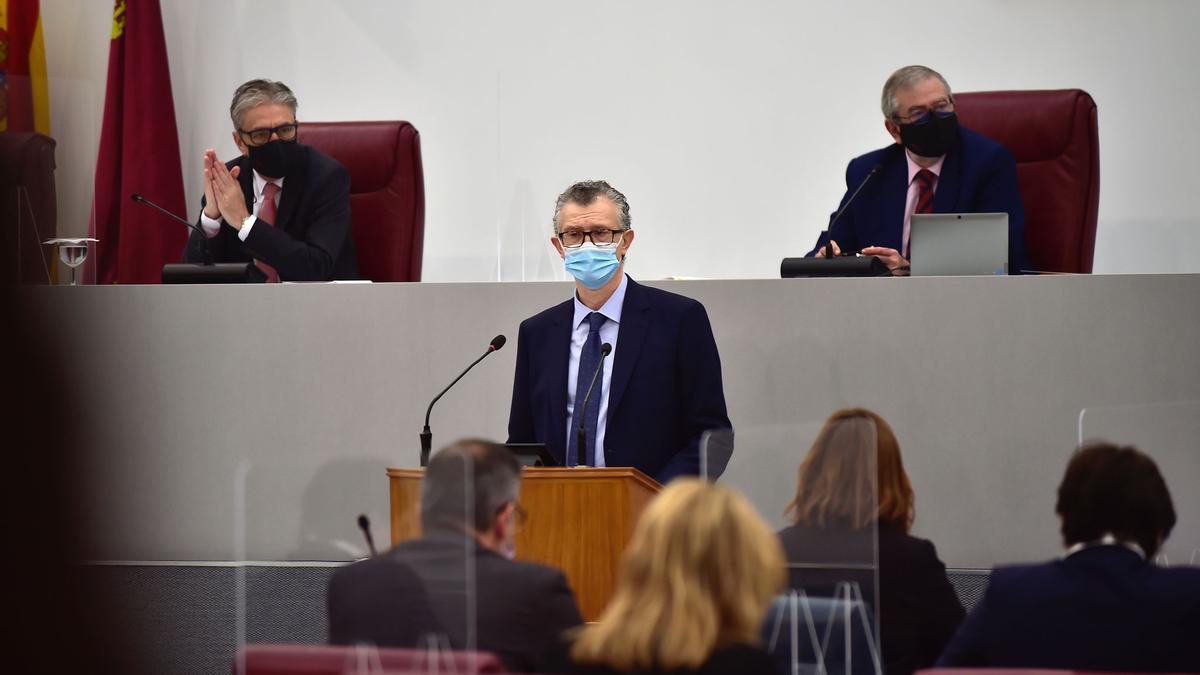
x=978 y=176
x=1103 y=608
x=666 y=386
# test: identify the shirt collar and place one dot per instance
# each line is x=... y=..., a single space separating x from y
x=914 y=168
x=611 y=309
x=260 y=184
x=1107 y=540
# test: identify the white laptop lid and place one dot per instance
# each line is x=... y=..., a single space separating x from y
x=958 y=244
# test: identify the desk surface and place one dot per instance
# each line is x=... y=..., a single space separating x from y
x=257 y=422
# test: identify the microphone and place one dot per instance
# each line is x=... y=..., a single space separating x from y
x=365 y=525
x=191 y=226
x=426 y=435
x=837 y=216
x=581 y=444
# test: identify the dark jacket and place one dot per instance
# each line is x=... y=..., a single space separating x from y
x=520 y=609
x=666 y=383
x=1103 y=608
x=735 y=659
x=918 y=608
x=978 y=176
x=312 y=240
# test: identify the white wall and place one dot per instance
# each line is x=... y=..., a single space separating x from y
x=728 y=125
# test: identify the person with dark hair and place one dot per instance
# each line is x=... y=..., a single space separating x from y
x=658 y=390
x=281 y=204
x=851 y=487
x=1105 y=605
x=481 y=598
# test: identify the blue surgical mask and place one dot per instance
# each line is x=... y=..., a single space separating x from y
x=593 y=265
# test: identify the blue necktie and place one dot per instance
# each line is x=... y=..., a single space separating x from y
x=589 y=360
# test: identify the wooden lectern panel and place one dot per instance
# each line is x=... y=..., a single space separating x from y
x=580 y=520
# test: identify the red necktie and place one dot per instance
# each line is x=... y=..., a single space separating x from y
x=266 y=216
x=925 y=179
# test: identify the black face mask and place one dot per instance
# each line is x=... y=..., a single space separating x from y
x=275 y=159
x=933 y=136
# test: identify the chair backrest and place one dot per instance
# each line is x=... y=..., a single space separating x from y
x=1054 y=138
x=358 y=660
x=821 y=635
x=387 y=192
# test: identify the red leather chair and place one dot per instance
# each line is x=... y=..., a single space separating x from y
x=335 y=660
x=1053 y=136
x=387 y=192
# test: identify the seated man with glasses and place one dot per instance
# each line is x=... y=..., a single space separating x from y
x=282 y=204
x=934 y=166
x=658 y=388
x=463 y=569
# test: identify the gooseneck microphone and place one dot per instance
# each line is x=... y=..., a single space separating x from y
x=581 y=438
x=365 y=525
x=828 y=240
x=191 y=226
x=426 y=435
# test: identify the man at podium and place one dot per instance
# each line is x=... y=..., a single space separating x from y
x=647 y=357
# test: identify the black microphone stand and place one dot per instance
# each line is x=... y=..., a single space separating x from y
x=581 y=438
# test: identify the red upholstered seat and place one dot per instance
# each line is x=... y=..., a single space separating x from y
x=1053 y=135
x=387 y=192
x=335 y=660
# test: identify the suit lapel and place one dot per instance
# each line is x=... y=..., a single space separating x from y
x=558 y=357
x=888 y=230
x=246 y=180
x=293 y=193
x=635 y=320
x=945 y=198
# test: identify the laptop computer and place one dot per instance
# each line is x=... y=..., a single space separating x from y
x=959 y=244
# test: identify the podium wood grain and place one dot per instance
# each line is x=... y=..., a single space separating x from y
x=580 y=520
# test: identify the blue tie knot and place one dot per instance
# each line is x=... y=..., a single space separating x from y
x=595 y=320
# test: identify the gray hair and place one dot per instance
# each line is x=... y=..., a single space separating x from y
x=467 y=484
x=904 y=78
x=585 y=192
x=258 y=92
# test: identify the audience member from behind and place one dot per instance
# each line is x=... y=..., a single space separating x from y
x=851 y=483
x=1104 y=605
x=693 y=589
x=463 y=563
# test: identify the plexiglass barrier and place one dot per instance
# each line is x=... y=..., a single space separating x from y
x=1167 y=432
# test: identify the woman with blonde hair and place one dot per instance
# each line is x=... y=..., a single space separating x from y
x=694 y=586
x=851 y=483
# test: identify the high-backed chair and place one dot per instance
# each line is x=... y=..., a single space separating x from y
x=1053 y=136
x=387 y=192
x=335 y=660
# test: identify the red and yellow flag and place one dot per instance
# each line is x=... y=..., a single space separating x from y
x=139 y=152
x=24 y=103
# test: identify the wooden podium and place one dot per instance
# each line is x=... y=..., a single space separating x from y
x=579 y=521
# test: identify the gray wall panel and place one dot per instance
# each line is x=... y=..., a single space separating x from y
x=256 y=422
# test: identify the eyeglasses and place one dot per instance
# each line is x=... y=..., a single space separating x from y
x=257 y=137
x=919 y=114
x=575 y=238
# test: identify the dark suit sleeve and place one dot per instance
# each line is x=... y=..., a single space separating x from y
x=520 y=415
x=310 y=259
x=968 y=646
x=843 y=231
x=703 y=393
x=558 y=613
x=1001 y=194
x=942 y=608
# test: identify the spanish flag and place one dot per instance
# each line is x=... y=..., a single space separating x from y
x=24 y=104
x=139 y=152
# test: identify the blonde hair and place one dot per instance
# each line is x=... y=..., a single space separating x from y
x=853 y=475
x=699 y=573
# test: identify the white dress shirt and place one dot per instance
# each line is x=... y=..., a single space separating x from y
x=608 y=333
x=213 y=226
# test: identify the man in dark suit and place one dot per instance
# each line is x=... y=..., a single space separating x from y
x=660 y=387
x=1105 y=606
x=463 y=565
x=283 y=205
x=934 y=166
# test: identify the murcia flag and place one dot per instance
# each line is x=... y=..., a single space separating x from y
x=139 y=152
